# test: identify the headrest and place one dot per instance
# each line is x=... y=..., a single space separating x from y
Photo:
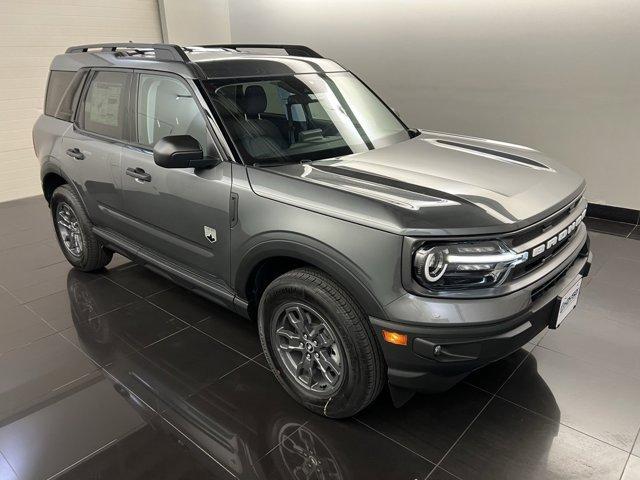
x=254 y=100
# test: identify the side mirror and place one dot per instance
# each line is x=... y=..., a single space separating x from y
x=181 y=151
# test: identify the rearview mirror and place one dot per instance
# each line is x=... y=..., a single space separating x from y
x=181 y=151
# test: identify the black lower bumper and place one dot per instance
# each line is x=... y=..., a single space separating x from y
x=437 y=357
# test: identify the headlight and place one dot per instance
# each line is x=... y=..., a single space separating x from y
x=459 y=266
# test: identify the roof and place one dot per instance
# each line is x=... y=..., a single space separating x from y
x=199 y=62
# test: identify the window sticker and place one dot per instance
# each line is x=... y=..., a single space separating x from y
x=105 y=103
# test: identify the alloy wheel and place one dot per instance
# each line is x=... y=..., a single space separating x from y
x=306 y=456
x=69 y=229
x=308 y=348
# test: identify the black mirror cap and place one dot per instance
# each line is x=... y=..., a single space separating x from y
x=181 y=151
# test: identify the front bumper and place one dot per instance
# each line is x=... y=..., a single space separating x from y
x=439 y=355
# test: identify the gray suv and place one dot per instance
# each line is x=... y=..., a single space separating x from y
x=274 y=182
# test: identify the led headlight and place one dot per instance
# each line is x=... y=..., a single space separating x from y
x=458 y=266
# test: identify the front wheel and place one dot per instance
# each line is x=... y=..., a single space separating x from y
x=319 y=344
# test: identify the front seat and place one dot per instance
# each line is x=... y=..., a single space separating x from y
x=259 y=137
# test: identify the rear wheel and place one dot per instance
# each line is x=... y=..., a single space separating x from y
x=78 y=243
x=319 y=343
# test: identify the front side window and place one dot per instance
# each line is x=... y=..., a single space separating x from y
x=105 y=105
x=166 y=107
x=303 y=117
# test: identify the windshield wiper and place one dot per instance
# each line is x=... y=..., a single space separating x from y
x=270 y=164
x=413 y=132
x=280 y=164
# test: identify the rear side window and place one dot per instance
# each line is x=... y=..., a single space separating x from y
x=105 y=105
x=62 y=93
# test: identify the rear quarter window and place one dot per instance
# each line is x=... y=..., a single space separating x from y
x=63 y=90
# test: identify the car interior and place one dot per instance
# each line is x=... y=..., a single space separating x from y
x=276 y=119
x=166 y=107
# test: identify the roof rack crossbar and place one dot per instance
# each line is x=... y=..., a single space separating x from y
x=162 y=51
x=294 y=50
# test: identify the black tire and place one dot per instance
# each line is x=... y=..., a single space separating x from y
x=93 y=256
x=363 y=368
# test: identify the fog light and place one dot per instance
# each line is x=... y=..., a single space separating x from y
x=394 y=337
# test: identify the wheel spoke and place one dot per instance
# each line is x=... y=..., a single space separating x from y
x=76 y=239
x=305 y=369
x=288 y=334
x=316 y=330
x=329 y=368
x=294 y=448
x=325 y=341
x=65 y=214
x=296 y=319
x=63 y=223
x=308 y=440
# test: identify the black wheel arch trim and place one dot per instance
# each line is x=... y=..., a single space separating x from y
x=312 y=252
x=51 y=167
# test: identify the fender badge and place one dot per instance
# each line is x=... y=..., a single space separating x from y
x=210 y=234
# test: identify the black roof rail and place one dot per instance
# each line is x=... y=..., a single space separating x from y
x=294 y=50
x=163 y=51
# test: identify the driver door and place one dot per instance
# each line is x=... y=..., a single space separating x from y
x=180 y=213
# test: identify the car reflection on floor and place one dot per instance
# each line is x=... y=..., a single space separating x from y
x=221 y=429
x=245 y=426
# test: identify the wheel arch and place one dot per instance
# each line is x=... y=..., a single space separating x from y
x=52 y=177
x=294 y=252
x=50 y=182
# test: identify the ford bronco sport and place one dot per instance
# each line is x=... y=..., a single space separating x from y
x=274 y=182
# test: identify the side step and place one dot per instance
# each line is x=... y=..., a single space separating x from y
x=175 y=272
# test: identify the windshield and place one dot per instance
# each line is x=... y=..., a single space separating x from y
x=303 y=117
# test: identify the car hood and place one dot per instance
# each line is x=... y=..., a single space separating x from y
x=432 y=184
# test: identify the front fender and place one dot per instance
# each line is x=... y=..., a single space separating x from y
x=313 y=252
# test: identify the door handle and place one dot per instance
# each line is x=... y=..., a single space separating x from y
x=75 y=153
x=139 y=174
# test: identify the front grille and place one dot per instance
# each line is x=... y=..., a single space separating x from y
x=538 y=292
x=566 y=225
x=544 y=226
x=536 y=262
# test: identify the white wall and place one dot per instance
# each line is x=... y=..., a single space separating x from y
x=562 y=76
x=195 y=22
x=32 y=32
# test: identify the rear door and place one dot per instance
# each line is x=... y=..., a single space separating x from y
x=180 y=213
x=94 y=144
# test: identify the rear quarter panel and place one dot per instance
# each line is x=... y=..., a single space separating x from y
x=47 y=144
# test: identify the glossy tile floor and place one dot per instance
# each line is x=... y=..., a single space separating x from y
x=121 y=375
